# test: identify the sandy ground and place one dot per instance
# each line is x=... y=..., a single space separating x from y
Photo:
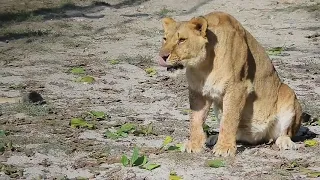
x=115 y=42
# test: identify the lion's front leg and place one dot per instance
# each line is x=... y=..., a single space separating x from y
x=233 y=104
x=199 y=106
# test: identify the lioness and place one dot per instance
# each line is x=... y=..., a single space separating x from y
x=227 y=67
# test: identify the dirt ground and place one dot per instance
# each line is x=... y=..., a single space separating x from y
x=117 y=43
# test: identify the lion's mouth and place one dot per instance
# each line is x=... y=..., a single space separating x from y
x=169 y=67
x=175 y=67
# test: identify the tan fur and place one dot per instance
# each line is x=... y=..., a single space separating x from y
x=227 y=67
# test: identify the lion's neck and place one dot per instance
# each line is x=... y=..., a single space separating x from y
x=201 y=61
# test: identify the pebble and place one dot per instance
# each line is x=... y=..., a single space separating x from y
x=20 y=116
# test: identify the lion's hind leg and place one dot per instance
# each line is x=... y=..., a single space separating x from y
x=288 y=119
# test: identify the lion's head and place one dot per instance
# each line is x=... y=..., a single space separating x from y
x=183 y=42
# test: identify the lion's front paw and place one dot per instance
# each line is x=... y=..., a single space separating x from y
x=196 y=144
x=285 y=143
x=224 y=150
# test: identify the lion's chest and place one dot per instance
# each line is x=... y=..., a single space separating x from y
x=212 y=89
x=207 y=86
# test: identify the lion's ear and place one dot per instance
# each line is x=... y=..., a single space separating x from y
x=199 y=24
x=166 y=22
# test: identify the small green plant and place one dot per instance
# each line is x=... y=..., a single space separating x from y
x=166 y=141
x=292 y=165
x=3 y=133
x=98 y=115
x=176 y=147
x=206 y=128
x=151 y=166
x=173 y=176
x=137 y=160
x=310 y=173
x=7 y=146
x=129 y=128
x=81 y=123
x=114 y=61
x=2 y=148
x=86 y=79
x=123 y=131
x=10 y=170
x=164 y=12
x=276 y=51
x=215 y=163
x=144 y=130
x=185 y=111
x=310 y=142
x=151 y=71
x=166 y=145
x=78 y=70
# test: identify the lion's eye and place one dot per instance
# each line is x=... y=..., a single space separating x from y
x=181 y=40
x=164 y=38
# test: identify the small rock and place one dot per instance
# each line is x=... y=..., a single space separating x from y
x=20 y=116
x=33 y=97
x=29 y=152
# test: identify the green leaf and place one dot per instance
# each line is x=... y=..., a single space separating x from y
x=294 y=164
x=275 y=51
x=10 y=146
x=310 y=173
x=3 y=133
x=124 y=160
x=135 y=156
x=310 y=142
x=167 y=140
x=174 y=176
x=77 y=70
x=185 y=111
x=114 y=62
x=86 y=79
x=180 y=147
x=314 y=174
x=111 y=135
x=142 y=160
x=216 y=163
x=123 y=134
x=177 y=147
x=127 y=127
x=173 y=148
x=2 y=148
x=98 y=114
x=150 y=166
x=80 y=123
x=206 y=128
x=151 y=71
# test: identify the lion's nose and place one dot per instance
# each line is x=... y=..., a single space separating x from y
x=165 y=57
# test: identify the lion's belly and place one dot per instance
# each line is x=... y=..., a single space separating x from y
x=256 y=131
